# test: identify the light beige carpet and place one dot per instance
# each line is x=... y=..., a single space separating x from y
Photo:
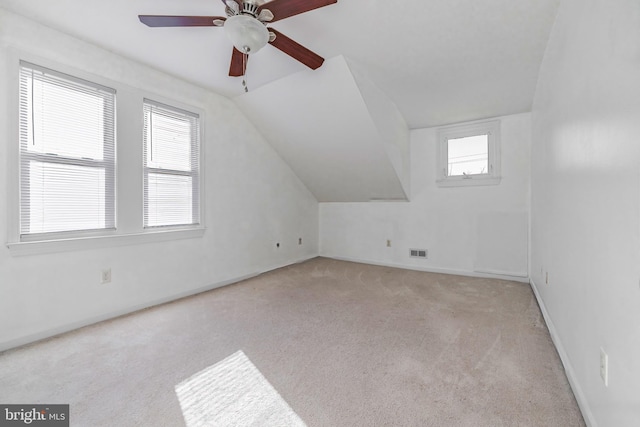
x=339 y=343
x=233 y=392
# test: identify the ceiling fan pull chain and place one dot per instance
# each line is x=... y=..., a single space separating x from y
x=244 y=73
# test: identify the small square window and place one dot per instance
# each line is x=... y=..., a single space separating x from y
x=469 y=155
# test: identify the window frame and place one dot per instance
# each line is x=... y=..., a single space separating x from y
x=109 y=159
x=492 y=177
x=196 y=144
x=128 y=201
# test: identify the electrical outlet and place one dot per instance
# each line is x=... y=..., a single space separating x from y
x=299 y=240
x=604 y=367
x=388 y=243
x=105 y=276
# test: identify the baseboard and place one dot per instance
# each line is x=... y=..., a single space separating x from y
x=28 y=339
x=568 y=367
x=523 y=278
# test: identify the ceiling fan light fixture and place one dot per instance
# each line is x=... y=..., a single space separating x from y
x=247 y=34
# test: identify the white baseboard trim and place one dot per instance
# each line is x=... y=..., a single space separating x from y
x=48 y=333
x=523 y=278
x=575 y=386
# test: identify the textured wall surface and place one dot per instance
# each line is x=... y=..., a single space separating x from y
x=585 y=201
x=462 y=227
x=252 y=201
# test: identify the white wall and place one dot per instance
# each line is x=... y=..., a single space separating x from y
x=252 y=200
x=467 y=230
x=585 y=201
x=321 y=124
x=392 y=128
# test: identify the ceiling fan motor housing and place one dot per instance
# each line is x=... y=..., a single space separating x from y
x=250 y=8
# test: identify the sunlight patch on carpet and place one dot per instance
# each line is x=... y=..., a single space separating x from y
x=233 y=392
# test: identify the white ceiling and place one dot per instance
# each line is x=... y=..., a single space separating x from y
x=439 y=61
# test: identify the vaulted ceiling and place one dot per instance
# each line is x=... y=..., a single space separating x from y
x=439 y=61
x=434 y=61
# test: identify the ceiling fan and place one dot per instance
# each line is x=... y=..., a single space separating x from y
x=245 y=25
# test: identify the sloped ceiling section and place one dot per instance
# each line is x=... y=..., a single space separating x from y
x=389 y=121
x=343 y=149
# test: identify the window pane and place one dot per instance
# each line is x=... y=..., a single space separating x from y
x=64 y=198
x=61 y=118
x=169 y=200
x=468 y=155
x=170 y=140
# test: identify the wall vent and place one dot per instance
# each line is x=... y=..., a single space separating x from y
x=418 y=253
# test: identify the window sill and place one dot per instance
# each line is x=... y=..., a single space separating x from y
x=468 y=182
x=97 y=242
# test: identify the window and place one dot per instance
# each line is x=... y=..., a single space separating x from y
x=67 y=154
x=469 y=154
x=171 y=166
x=68 y=191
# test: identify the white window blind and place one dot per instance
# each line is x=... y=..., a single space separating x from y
x=171 y=166
x=67 y=153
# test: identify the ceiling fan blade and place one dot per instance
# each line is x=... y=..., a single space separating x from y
x=237 y=8
x=285 y=8
x=296 y=51
x=237 y=67
x=179 y=21
x=239 y=2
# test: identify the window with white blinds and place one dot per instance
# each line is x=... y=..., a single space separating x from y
x=67 y=153
x=171 y=166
